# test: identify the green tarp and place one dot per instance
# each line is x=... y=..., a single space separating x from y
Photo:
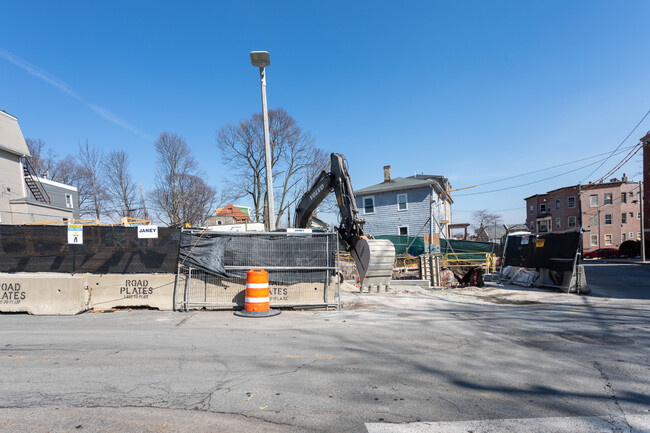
x=416 y=247
x=456 y=247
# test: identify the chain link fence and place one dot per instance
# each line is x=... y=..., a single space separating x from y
x=302 y=268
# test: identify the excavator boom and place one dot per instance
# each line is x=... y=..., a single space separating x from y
x=374 y=258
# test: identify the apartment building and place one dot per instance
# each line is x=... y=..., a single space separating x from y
x=609 y=212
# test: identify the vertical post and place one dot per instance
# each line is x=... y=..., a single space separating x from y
x=178 y=270
x=599 y=242
x=642 y=225
x=267 y=151
x=431 y=221
x=188 y=281
x=144 y=207
x=338 y=271
x=327 y=273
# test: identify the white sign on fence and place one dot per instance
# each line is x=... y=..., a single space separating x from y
x=292 y=230
x=149 y=232
x=76 y=235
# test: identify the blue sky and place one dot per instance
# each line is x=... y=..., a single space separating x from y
x=475 y=91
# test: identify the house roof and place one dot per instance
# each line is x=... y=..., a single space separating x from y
x=233 y=211
x=11 y=139
x=411 y=182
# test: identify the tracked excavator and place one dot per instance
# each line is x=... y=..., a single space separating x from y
x=374 y=258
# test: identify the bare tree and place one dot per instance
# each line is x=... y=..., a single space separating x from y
x=180 y=195
x=91 y=181
x=42 y=159
x=295 y=160
x=120 y=187
x=483 y=218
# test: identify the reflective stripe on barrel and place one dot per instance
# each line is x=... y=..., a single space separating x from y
x=257 y=291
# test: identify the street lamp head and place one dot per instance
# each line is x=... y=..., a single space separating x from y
x=260 y=58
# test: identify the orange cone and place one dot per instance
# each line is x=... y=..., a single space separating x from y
x=257 y=302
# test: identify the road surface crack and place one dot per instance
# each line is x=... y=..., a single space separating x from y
x=610 y=391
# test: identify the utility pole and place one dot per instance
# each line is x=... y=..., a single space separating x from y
x=645 y=207
x=599 y=243
x=642 y=225
x=146 y=216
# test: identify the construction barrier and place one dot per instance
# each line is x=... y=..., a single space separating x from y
x=48 y=294
x=302 y=268
x=131 y=290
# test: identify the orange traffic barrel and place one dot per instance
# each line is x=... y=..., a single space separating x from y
x=256 y=303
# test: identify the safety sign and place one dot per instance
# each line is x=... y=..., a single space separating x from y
x=76 y=234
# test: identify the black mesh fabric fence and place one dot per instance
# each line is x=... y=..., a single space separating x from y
x=288 y=258
x=105 y=250
x=554 y=251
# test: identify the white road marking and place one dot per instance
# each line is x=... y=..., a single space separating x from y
x=585 y=424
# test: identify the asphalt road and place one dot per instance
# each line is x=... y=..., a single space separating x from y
x=618 y=279
x=537 y=361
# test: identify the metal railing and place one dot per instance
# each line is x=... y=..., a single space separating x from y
x=293 y=282
x=487 y=261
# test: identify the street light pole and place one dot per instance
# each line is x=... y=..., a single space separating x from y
x=261 y=60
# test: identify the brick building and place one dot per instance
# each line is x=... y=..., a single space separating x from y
x=608 y=212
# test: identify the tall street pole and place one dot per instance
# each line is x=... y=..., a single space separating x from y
x=261 y=59
x=267 y=151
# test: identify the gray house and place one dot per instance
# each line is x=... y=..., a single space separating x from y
x=24 y=196
x=402 y=206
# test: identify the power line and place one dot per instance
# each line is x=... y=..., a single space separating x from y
x=550 y=168
x=617 y=147
x=543 y=169
x=496 y=210
x=529 y=183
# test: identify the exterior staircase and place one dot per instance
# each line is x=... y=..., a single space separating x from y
x=34 y=185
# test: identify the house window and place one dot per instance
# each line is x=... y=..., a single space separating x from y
x=623 y=237
x=401 y=202
x=638 y=215
x=571 y=222
x=65 y=220
x=557 y=204
x=594 y=240
x=68 y=201
x=608 y=239
x=558 y=223
x=543 y=226
x=532 y=227
x=543 y=208
x=593 y=220
x=403 y=230
x=219 y=222
x=532 y=209
x=368 y=205
x=608 y=198
x=593 y=200
x=571 y=202
x=608 y=219
x=631 y=235
x=638 y=235
x=623 y=197
x=623 y=218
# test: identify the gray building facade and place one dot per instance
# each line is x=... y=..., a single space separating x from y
x=402 y=206
x=25 y=197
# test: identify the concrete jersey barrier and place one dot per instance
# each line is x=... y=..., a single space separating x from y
x=43 y=294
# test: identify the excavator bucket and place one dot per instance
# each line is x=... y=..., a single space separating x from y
x=374 y=259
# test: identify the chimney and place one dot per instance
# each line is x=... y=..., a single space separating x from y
x=387 y=173
x=624 y=177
